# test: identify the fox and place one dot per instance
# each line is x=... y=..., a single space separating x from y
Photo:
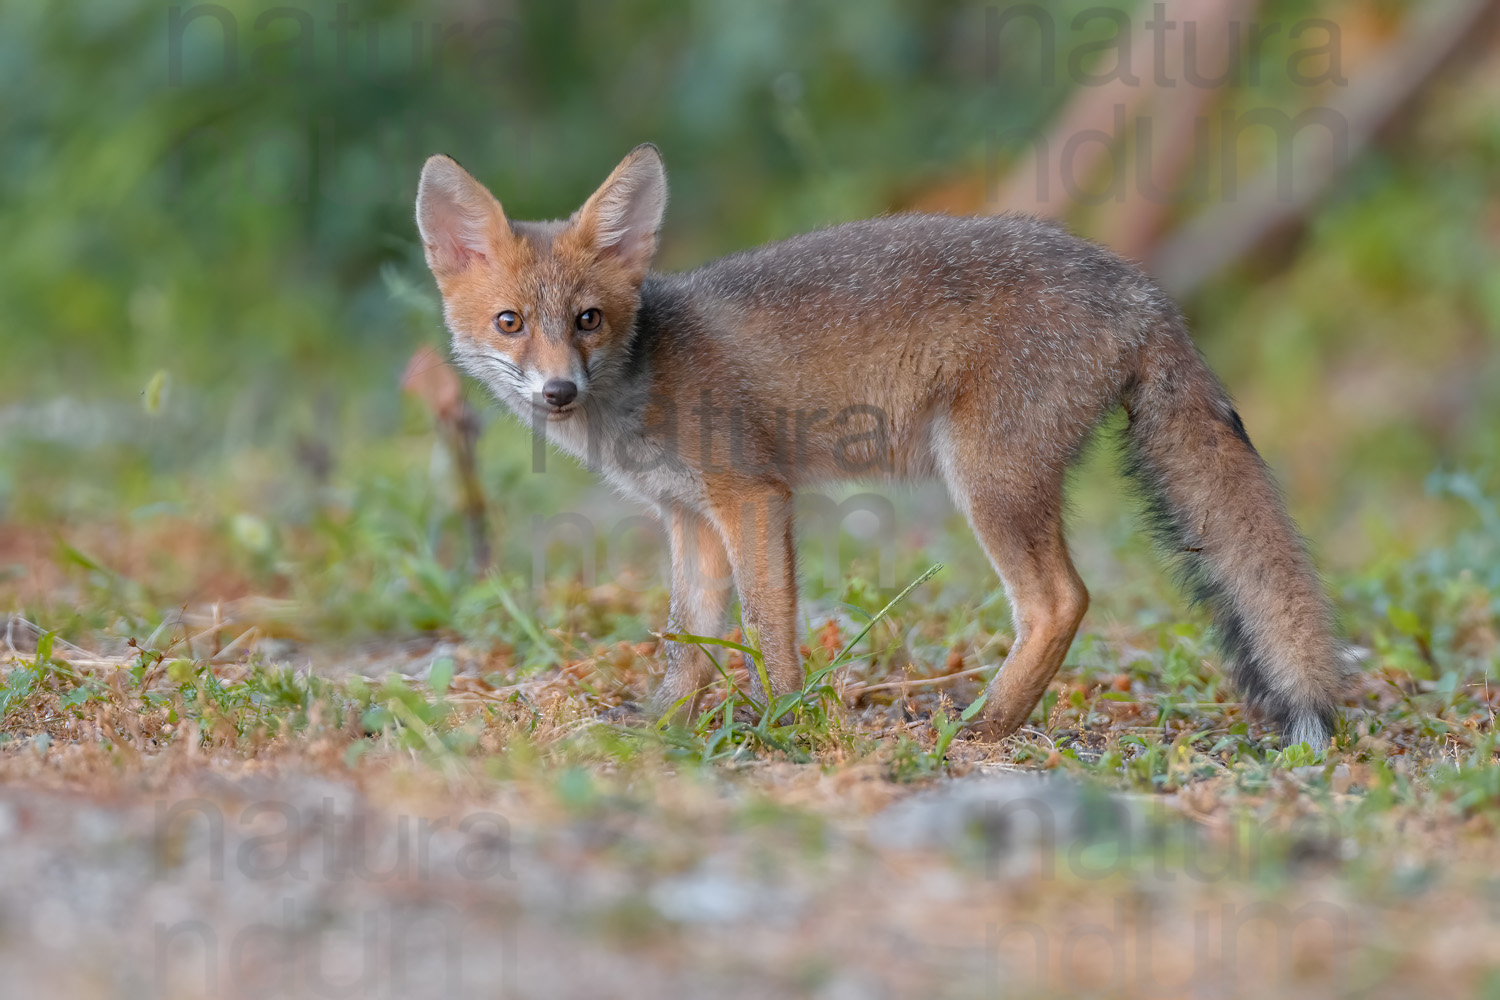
x=981 y=351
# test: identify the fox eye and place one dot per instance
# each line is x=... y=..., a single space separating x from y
x=589 y=319
x=508 y=322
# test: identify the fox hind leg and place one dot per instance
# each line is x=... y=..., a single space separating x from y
x=1020 y=528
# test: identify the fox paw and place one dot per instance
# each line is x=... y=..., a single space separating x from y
x=626 y=713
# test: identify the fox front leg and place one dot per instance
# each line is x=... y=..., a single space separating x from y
x=754 y=520
x=701 y=582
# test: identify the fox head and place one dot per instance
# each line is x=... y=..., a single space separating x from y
x=542 y=312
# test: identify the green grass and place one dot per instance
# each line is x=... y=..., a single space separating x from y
x=261 y=625
x=1142 y=706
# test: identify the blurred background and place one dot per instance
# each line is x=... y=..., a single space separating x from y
x=212 y=282
x=240 y=487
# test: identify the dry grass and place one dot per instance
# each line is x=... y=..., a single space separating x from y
x=1140 y=837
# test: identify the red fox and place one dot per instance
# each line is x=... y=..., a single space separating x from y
x=982 y=351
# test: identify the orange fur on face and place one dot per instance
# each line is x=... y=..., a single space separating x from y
x=549 y=273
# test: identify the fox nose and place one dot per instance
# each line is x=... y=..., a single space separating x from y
x=559 y=392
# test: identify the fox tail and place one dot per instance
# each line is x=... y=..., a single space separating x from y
x=1211 y=502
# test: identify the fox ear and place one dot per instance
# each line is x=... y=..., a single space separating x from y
x=460 y=221
x=621 y=219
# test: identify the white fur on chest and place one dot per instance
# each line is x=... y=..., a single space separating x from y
x=644 y=467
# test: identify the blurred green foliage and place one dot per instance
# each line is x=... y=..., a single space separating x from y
x=209 y=207
x=217 y=188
